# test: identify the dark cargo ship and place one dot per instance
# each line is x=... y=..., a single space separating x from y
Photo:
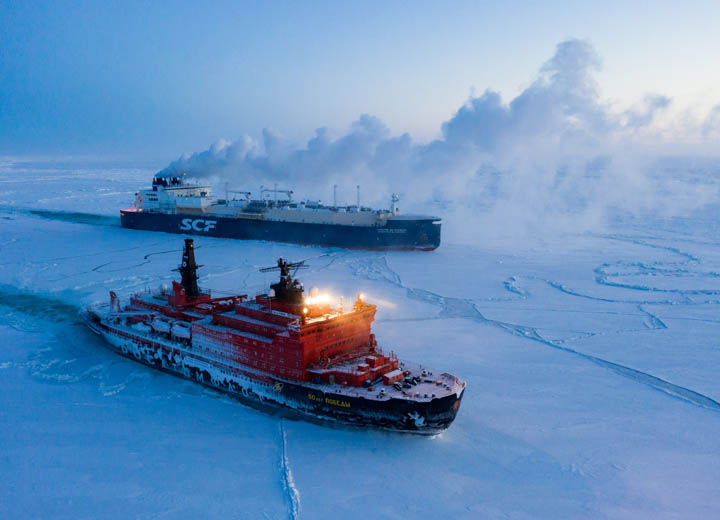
x=280 y=349
x=175 y=206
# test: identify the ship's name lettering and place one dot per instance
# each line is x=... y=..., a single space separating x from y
x=392 y=230
x=197 y=224
x=337 y=402
x=329 y=400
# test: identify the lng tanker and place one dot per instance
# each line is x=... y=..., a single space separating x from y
x=282 y=349
x=174 y=205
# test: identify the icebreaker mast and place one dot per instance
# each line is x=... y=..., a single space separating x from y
x=188 y=270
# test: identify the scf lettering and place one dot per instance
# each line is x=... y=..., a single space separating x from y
x=197 y=224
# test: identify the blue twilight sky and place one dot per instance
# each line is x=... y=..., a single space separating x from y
x=157 y=79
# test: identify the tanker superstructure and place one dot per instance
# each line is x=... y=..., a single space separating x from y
x=280 y=349
x=173 y=205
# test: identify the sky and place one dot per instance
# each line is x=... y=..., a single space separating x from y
x=159 y=79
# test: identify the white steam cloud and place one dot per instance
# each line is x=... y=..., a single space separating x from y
x=555 y=158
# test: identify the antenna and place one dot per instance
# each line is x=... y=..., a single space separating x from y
x=334 y=195
x=285 y=267
x=358 y=195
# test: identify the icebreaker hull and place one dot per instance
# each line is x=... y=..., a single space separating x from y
x=259 y=390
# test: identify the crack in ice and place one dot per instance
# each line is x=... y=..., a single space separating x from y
x=460 y=308
x=291 y=491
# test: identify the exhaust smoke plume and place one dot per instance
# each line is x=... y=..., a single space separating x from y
x=556 y=158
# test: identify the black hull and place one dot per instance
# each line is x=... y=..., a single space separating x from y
x=304 y=402
x=399 y=234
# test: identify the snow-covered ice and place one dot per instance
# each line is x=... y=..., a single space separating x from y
x=591 y=361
